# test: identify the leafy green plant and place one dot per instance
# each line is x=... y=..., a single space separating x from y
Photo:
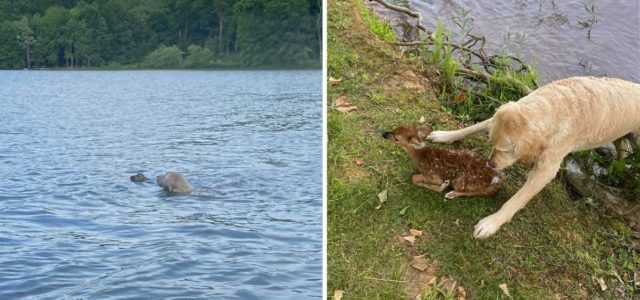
x=163 y=58
x=469 y=99
x=381 y=28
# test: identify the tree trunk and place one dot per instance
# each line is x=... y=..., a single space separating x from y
x=220 y=37
x=28 y=57
x=186 y=27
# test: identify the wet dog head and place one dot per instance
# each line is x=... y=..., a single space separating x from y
x=174 y=183
x=408 y=136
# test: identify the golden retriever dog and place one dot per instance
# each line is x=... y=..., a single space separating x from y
x=174 y=183
x=440 y=168
x=565 y=116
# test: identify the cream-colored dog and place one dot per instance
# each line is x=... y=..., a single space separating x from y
x=565 y=116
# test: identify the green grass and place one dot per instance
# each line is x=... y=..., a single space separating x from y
x=380 y=28
x=551 y=249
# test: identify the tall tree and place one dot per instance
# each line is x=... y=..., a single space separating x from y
x=25 y=37
x=223 y=9
x=272 y=32
x=10 y=57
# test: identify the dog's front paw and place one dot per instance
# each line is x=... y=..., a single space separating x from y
x=441 y=137
x=450 y=195
x=487 y=226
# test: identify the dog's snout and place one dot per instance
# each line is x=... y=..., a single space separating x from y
x=386 y=135
x=491 y=164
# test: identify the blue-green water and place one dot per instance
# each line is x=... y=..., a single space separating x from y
x=73 y=226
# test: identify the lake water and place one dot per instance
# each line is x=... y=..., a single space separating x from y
x=550 y=34
x=72 y=224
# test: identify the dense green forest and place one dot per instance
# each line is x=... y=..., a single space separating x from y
x=160 y=33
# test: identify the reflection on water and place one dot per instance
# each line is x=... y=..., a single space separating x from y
x=72 y=225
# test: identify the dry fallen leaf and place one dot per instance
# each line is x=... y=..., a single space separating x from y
x=419 y=263
x=462 y=294
x=334 y=80
x=342 y=101
x=382 y=197
x=601 y=283
x=344 y=106
x=414 y=232
x=411 y=239
x=337 y=294
x=504 y=289
x=461 y=97
x=359 y=161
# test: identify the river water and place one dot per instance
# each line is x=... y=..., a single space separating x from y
x=550 y=34
x=72 y=225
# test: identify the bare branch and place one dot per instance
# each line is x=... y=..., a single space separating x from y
x=409 y=12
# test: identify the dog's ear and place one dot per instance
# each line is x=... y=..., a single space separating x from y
x=529 y=146
x=509 y=116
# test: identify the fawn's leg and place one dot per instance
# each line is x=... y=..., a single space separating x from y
x=432 y=182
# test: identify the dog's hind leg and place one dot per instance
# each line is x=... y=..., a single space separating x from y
x=543 y=172
x=624 y=146
x=454 y=135
x=432 y=182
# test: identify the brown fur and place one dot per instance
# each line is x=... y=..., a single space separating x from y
x=138 y=178
x=464 y=171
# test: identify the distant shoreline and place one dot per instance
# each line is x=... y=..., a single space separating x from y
x=319 y=67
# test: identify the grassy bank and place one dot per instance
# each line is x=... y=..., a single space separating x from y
x=557 y=247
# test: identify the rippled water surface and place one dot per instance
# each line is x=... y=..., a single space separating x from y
x=552 y=34
x=72 y=225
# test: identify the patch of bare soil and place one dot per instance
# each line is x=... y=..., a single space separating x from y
x=406 y=80
x=419 y=276
x=420 y=273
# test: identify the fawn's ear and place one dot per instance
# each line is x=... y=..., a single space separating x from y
x=424 y=130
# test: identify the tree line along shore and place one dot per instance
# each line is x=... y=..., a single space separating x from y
x=160 y=34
